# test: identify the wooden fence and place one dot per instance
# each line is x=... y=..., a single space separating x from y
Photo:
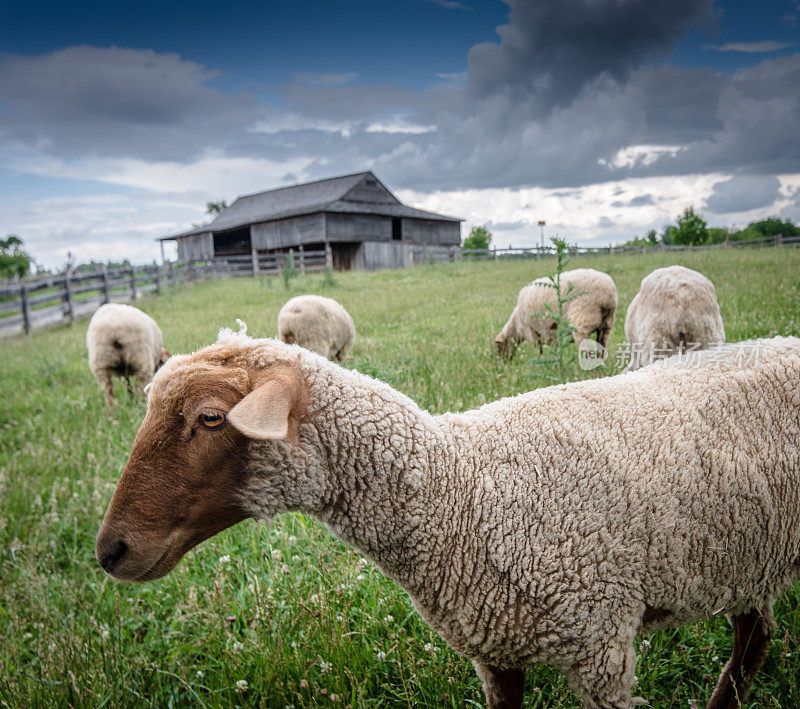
x=40 y=302
x=540 y=251
x=35 y=303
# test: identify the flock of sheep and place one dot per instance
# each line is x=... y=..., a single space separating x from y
x=550 y=527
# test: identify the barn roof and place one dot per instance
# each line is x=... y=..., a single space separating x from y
x=335 y=194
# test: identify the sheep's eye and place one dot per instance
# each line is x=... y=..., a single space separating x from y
x=212 y=419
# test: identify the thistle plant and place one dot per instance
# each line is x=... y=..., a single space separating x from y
x=561 y=358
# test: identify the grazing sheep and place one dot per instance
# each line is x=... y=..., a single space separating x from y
x=124 y=342
x=319 y=324
x=591 y=311
x=551 y=527
x=675 y=308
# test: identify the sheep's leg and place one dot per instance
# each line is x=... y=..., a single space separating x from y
x=605 y=679
x=751 y=634
x=142 y=380
x=504 y=689
x=602 y=336
x=104 y=380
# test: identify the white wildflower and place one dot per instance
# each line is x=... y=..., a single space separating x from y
x=430 y=647
x=225 y=559
x=241 y=685
x=389 y=619
x=644 y=646
x=325 y=667
x=360 y=577
x=200 y=674
x=381 y=655
x=276 y=554
x=237 y=647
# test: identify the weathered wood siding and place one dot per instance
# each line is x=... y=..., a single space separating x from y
x=195 y=248
x=431 y=231
x=291 y=232
x=358 y=227
x=370 y=190
x=382 y=254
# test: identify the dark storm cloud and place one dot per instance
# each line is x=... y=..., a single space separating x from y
x=567 y=87
x=742 y=193
x=116 y=102
x=553 y=48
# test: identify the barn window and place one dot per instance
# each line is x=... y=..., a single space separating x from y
x=397 y=229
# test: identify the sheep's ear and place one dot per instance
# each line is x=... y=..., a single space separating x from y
x=264 y=413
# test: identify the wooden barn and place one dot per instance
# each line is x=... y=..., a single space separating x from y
x=365 y=225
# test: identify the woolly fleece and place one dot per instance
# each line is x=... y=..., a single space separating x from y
x=542 y=527
x=319 y=324
x=674 y=306
x=593 y=309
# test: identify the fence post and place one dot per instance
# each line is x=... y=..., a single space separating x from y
x=106 y=291
x=133 y=283
x=157 y=277
x=328 y=256
x=68 y=294
x=254 y=258
x=26 y=308
x=778 y=240
x=302 y=259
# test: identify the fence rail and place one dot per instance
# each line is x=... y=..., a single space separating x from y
x=40 y=302
x=36 y=303
x=540 y=251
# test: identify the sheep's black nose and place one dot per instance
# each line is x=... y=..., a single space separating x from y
x=112 y=556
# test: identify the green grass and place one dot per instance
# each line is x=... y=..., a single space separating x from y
x=295 y=613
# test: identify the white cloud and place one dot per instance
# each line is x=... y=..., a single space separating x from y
x=641 y=155
x=596 y=214
x=399 y=125
x=750 y=47
x=213 y=174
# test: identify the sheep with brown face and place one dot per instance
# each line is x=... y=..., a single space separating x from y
x=552 y=527
x=123 y=342
x=590 y=308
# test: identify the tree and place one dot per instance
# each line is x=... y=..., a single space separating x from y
x=773 y=226
x=692 y=229
x=479 y=238
x=215 y=208
x=14 y=261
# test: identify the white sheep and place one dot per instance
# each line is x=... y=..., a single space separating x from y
x=592 y=311
x=319 y=324
x=124 y=342
x=551 y=527
x=675 y=309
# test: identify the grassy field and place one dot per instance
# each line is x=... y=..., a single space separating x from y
x=286 y=615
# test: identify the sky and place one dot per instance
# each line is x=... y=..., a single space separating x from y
x=604 y=118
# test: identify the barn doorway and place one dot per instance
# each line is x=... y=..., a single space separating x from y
x=397 y=229
x=232 y=243
x=344 y=256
